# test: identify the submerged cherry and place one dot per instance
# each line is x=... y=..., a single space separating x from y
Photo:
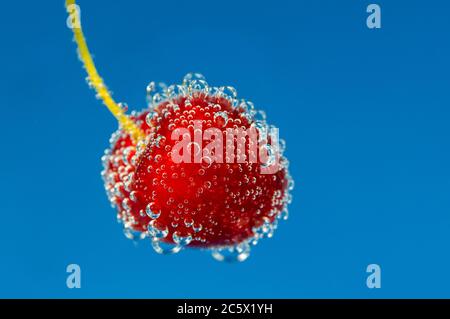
x=172 y=177
x=210 y=203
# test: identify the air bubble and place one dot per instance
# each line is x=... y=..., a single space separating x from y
x=156 y=99
x=282 y=145
x=192 y=76
x=237 y=253
x=149 y=117
x=197 y=227
x=151 y=87
x=264 y=230
x=196 y=148
x=157 y=230
x=160 y=141
x=123 y=106
x=284 y=214
x=133 y=234
x=165 y=248
x=230 y=91
x=181 y=238
x=221 y=119
x=126 y=205
x=291 y=184
x=158 y=158
x=188 y=222
x=260 y=116
x=152 y=211
x=206 y=162
x=270 y=154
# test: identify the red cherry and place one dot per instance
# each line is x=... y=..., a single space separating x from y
x=208 y=203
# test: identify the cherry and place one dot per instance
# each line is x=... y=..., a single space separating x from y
x=225 y=203
x=206 y=204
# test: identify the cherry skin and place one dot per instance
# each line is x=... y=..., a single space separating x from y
x=206 y=204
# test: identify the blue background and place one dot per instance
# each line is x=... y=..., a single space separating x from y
x=365 y=114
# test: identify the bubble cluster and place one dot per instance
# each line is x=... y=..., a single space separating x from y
x=224 y=206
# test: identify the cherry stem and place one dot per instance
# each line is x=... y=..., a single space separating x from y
x=95 y=80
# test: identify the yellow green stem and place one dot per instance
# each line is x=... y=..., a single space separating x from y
x=94 y=78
